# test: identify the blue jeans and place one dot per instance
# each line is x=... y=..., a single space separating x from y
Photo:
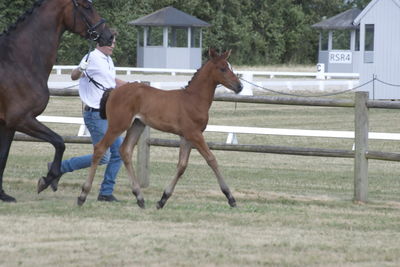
x=97 y=128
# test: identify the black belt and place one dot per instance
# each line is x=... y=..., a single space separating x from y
x=87 y=108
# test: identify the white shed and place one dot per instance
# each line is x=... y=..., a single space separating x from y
x=339 y=46
x=169 y=38
x=379 y=25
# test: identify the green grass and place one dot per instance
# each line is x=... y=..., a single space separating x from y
x=292 y=210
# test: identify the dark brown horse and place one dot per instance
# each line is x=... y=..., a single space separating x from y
x=182 y=112
x=28 y=52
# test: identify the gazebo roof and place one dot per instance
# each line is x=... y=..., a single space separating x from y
x=341 y=21
x=169 y=16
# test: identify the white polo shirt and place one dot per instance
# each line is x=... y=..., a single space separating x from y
x=101 y=69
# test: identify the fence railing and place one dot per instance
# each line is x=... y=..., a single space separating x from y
x=58 y=69
x=254 y=79
x=361 y=153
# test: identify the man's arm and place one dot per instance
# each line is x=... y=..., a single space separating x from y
x=77 y=73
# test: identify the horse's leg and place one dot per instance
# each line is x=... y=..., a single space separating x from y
x=199 y=142
x=98 y=152
x=6 y=137
x=126 y=150
x=31 y=126
x=184 y=153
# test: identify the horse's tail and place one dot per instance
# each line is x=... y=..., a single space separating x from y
x=103 y=102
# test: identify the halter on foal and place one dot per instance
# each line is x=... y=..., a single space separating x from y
x=27 y=54
x=182 y=112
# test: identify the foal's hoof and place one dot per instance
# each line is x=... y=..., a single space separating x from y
x=80 y=201
x=42 y=185
x=232 y=202
x=6 y=198
x=141 y=203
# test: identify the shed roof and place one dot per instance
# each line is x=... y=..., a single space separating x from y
x=341 y=21
x=169 y=16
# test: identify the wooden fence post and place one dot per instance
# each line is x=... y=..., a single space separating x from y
x=361 y=147
x=143 y=157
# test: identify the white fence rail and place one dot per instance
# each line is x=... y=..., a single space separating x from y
x=252 y=80
x=58 y=69
x=230 y=130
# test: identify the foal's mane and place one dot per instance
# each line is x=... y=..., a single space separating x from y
x=196 y=73
x=22 y=17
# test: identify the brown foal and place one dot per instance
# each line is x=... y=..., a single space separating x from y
x=183 y=112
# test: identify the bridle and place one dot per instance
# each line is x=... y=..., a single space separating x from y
x=94 y=36
x=91 y=29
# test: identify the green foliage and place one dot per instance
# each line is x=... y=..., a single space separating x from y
x=258 y=32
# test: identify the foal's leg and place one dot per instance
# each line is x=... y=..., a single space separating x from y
x=204 y=150
x=184 y=153
x=98 y=152
x=6 y=137
x=126 y=150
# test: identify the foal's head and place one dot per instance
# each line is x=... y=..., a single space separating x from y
x=222 y=71
x=81 y=17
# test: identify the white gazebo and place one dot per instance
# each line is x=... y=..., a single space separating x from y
x=339 y=42
x=169 y=38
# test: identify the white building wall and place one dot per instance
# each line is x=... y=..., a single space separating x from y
x=385 y=15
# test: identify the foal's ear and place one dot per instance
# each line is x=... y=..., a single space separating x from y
x=226 y=54
x=212 y=53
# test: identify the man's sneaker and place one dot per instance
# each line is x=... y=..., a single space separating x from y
x=108 y=198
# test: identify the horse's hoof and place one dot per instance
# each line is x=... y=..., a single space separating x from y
x=141 y=203
x=232 y=202
x=160 y=205
x=42 y=185
x=54 y=185
x=81 y=200
x=6 y=198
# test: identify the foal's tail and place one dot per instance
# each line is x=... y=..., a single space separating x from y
x=103 y=102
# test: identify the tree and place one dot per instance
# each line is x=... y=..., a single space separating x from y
x=258 y=32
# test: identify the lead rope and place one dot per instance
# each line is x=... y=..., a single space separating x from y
x=96 y=83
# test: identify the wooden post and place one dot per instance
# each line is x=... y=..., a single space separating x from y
x=361 y=147
x=143 y=157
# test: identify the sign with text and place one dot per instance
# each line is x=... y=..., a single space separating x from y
x=340 y=57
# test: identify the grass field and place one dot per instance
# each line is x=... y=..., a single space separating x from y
x=292 y=210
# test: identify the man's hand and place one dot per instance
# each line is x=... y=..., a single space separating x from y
x=83 y=66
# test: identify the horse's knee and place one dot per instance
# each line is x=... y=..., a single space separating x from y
x=60 y=146
x=124 y=154
x=212 y=162
x=181 y=168
x=58 y=143
x=101 y=155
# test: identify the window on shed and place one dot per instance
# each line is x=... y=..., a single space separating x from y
x=369 y=43
x=324 y=40
x=177 y=37
x=140 y=34
x=195 y=37
x=341 y=40
x=155 y=36
x=369 y=37
x=357 y=41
